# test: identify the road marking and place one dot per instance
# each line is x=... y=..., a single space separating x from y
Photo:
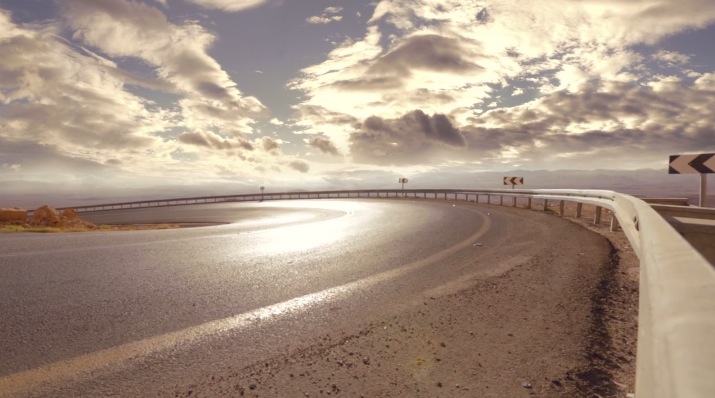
x=120 y=357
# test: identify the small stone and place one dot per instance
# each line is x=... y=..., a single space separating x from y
x=526 y=384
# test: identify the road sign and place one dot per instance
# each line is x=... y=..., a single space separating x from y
x=696 y=163
x=703 y=163
x=513 y=180
x=402 y=180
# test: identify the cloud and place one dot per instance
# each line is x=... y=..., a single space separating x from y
x=323 y=19
x=121 y=28
x=14 y=167
x=299 y=165
x=671 y=58
x=465 y=60
x=326 y=17
x=55 y=94
x=212 y=140
x=270 y=145
x=229 y=5
x=324 y=145
x=630 y=124
x=411 y=139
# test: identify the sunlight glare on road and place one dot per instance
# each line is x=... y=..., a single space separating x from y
x=303 y=237
x=309 y=236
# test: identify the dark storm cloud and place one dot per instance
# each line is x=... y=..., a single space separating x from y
x=324 y=144
x=413 y=138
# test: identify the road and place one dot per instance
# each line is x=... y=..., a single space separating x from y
x=133 y=312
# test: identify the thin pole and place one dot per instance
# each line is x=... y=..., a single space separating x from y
x=703 y=189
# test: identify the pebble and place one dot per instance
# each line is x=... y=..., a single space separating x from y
x=526 y=384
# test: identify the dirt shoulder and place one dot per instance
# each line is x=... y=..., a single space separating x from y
x=562 y=324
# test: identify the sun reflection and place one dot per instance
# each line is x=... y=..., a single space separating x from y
x=304 y=237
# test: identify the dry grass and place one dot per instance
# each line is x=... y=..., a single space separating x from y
x=13 y=228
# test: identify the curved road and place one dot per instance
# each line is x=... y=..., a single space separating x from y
x=130 y=311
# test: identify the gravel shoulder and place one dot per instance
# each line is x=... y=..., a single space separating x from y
x=562 y=324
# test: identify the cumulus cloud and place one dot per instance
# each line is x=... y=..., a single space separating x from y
x=121 y=28
x=229 y=5
x=413 y=138
x=671 y=58
x=212 y=140
x=55 y=94
x=462 y=59
x=270 y=145
x=328 y=16
x=632 y=123
x=299 y=165
x=635 y=124
x=324 y=144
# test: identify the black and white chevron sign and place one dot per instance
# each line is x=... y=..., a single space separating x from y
x=703 y=163
x=513 y=180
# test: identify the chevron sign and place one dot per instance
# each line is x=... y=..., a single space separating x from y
x=703 y=163
x=513 y=180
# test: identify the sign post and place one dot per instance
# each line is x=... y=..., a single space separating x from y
x=513 y=181
x=703 y=164
x=262 y=188
x=402 y=181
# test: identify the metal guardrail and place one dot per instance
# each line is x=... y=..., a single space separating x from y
x=676 y=320
x=687 y=212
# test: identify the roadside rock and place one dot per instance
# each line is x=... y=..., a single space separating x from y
x=47 y=216
x=13 y=215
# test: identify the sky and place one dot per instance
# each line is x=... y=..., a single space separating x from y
x=110 y=98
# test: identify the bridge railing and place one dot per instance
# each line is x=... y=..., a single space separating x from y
x=676 y=320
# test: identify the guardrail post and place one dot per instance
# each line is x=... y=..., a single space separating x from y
x=513 y=201
x=501 y=200
x=597 y=217
x=561 y=208
x=614 y=223
x=489 y=199
x=546 y=204
x=528 y=204
x=579 y=206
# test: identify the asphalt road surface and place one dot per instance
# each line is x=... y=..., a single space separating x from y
x=133 y=313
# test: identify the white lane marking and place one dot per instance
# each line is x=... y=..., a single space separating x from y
x=122 y=356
